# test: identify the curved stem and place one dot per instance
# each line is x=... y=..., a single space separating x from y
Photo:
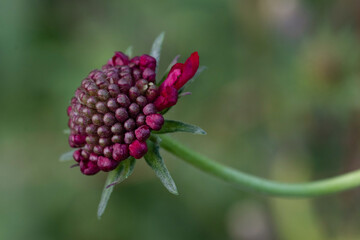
x=247 y=181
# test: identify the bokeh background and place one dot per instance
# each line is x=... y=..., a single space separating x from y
x=279 y=99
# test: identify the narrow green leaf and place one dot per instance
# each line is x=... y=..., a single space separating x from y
x=129 y=165
x=129 y=51
x=155 y=161
x=156 y=47
x=67 y=156
x=176 y=126
x=122 y=172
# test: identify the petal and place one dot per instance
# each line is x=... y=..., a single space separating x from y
x=171 y=78
x=168 y=97
x=190 y=67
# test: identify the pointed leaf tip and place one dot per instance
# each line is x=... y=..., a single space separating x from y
x=155 y=161
x=171 y=126
x=156 y=47
x=122 y=172
x=129 y=51
x=68 y=156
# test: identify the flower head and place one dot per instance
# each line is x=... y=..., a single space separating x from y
x=107 y=115
x=115 y=109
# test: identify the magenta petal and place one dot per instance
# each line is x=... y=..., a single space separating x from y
x=168 y=97
x=190 y=67
x=171 y=78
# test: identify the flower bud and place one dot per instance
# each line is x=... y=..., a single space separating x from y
x=89 y=168
x=123 y=100
x=120 y=152
x=138 y=149
x=121 y=114
x=155 y=121
x=149 y=74
x=129 y=137
x=149 y=109
x=106 y=164
x=142 y=133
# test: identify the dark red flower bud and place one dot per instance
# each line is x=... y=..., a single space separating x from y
x=136 y=74
x=149 y=74
x=147 y=61
x=135 y=60
x=109 y=119
x=155 y=121
x=142 y=133
x=124 y=85
x=77 y=155
x=129 y=124
x=123 y=100
x=129 y=137
x=119 y=59
x=120 y=152
x=89 y=168
x=77 y=140
x=114 y=90
x=149 y=109
x=134 y=92
x=98 y=150
x=152 y=92
x=112 y=104
x=106 y=164
x=142 y=85
x=141 y=101
x=134 y=109
x=108 y=150
x=93 y=157
x=121 y=114
x=117 y=128
x=138 y=149
x=140 y=120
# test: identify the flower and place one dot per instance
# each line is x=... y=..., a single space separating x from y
x=108 y=114
x=179 y=74
x=115 y=109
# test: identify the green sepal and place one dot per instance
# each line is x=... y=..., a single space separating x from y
x=156 y=48
x=122 y=172
x=171 y=126
x=67 y=156
x=66 y=131
x=129 y=51
x=155 y=161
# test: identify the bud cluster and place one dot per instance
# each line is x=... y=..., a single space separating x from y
x=113 y=113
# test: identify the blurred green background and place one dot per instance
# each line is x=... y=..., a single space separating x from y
x=280 y=99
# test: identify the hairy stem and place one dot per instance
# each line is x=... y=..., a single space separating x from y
x=261 y=185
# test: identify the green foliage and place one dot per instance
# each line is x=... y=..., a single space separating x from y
x=155 y=161
x=171 y=126
x=122 y=172
x=67 y=156
x=156 y=48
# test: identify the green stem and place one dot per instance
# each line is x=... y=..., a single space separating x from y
x=256 y=184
